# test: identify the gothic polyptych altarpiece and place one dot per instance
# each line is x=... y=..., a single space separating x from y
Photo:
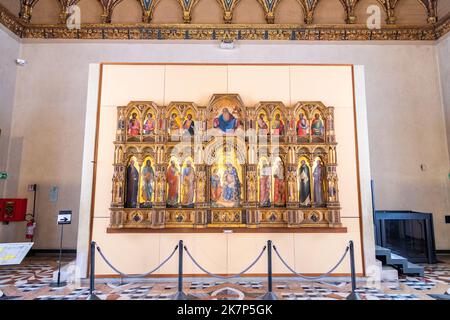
x=225 y=165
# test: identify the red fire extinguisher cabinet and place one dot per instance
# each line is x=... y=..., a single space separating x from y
x=13 y=210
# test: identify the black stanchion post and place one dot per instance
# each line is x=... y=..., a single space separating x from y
x=92 y=295
x=354 y=295
x=180 y=295
x=269 y=295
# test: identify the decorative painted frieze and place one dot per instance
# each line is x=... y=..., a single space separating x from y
x=187 y=6
x=431 y=7
x=65 y=5
x=269 y=7
x=148 y=7
x=349 y=7
x=26 y=9
x=389 y=8
x=108 y=9
x=308 y=7
x=228 y=7
x=317 y=32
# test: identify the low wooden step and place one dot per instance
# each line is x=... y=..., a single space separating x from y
x=400 y=263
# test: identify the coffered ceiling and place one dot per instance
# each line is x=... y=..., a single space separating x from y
x=227 y=19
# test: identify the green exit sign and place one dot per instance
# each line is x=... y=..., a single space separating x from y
x=3 y=176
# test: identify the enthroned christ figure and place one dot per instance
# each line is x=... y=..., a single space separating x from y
x=226 y=122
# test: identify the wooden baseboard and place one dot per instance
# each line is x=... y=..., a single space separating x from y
x=51 y=251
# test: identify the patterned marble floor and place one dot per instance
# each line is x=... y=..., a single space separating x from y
x=32 y=279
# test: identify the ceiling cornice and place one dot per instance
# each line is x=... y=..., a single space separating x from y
x=11 y=22
x=145 y=31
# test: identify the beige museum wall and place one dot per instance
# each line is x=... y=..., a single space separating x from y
x=443 y=54
x=8 y=69
x=403 y=97
x=219 y=252
x=9 y=52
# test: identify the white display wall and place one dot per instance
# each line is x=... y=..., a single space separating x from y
x=335 y=85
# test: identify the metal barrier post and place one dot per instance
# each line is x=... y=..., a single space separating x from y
x=269 y=295
x=180 y=295
x=354 y=295
x=92 y=296
x=58 y=282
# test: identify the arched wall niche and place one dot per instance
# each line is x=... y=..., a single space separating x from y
x=411 y=12
x=92 y=11
x=46 y=11
x=127 y=12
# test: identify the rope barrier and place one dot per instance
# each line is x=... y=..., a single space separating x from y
x=140 y=275
x=180 y=295
x=223 y=277
x=307 y=277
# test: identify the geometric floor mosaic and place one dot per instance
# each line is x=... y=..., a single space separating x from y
x=31 y=281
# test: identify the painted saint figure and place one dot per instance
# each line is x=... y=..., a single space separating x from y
x=332 y=192
x=121 y=122
x=263 y=127
x=265 y=185
x=132 y=185
x=279 y=196
x=226 y=122
x=149 y=125
x=302 y=126
x=231 y=185
x=278 y=126
x=148 y=182
x=317 y=127
x=292 y=186
x=318 y=184
x=188 y=180
x=216 y=188
x=134 y=126
x=305 y=184
x=174 y=125
x=189 y=126
x=172 y=179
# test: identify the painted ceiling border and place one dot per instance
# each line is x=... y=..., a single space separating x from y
x=143 y=31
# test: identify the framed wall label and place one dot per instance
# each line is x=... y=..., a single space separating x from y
x=65 y=217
